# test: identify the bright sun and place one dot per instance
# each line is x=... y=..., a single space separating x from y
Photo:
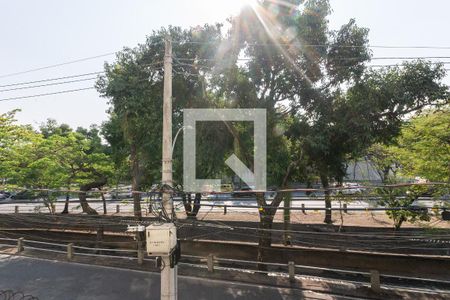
x=235 y=6
x=222 y=9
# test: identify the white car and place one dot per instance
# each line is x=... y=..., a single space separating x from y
x=351 y=188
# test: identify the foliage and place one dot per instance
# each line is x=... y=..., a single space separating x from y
x=337 y=107
x=423 y=147
x=385 y=161
x=398 y=198
x=54 y=158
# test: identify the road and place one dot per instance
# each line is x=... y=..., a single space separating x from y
x=126 y=206
x=47 y=279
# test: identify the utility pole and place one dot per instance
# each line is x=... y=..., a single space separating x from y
x=168 y=273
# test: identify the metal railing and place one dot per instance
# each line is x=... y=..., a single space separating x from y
x=211 y=263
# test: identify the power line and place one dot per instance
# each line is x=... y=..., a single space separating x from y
x=369 y=66
x=410 y=47
x=70 y=76
x=48 y=84
x=408 y=57
x=249 y=44
x=57 y=65
x=186 y=64
x=342 y=58
x=47 y=94
x=52 y=79
x=325 y=45
x=151 y=64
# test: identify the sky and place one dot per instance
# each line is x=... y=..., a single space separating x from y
x=35 y=34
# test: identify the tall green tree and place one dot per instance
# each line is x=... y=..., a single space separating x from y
x=423 y=148
x=134 y=86
x=55 y=158
x=337 y=106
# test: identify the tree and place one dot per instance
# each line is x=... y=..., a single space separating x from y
x=423 y=148
x=11 y=135
x=394 y=198
x=134 y=86
x=33 y=164
x=338 y=108
x=324 y=106
x=295 y=61
x=53 y=159
x=385 y=161
x=83 y=157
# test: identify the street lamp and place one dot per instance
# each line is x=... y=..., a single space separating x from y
x=176 y=135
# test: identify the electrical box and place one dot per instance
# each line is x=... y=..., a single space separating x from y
x=161 y=239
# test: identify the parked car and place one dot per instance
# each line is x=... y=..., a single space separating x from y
x=24 y=195
x=4 y=195
x=121 y=194
x=350 y=188
x=244 y=192
x=7 y=196
x=221 y=196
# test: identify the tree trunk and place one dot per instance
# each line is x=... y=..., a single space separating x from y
x=186 y=198
x=104 y=202
x=197 y=199
x=85 y=205
x=48 y=202
x=398 y=222
x=136 y=182
x=191 y=210
x=265 y=237
x=266 y=215
x=83 y=195
x=287 y=219
x=66 y=204
x=326 y=185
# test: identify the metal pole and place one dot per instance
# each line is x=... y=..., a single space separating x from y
x=168 y=274
x=140 y=256
x=375 y=281
x=19 y=245
x=210 y=263
x=291 y=270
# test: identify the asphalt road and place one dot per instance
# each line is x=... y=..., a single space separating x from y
x=126 y=206
x=47 y=279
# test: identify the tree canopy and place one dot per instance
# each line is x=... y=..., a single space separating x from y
x=423 y=148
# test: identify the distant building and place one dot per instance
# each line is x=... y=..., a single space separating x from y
x=362 y=170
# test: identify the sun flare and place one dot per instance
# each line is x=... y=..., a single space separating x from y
x=235 y=6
